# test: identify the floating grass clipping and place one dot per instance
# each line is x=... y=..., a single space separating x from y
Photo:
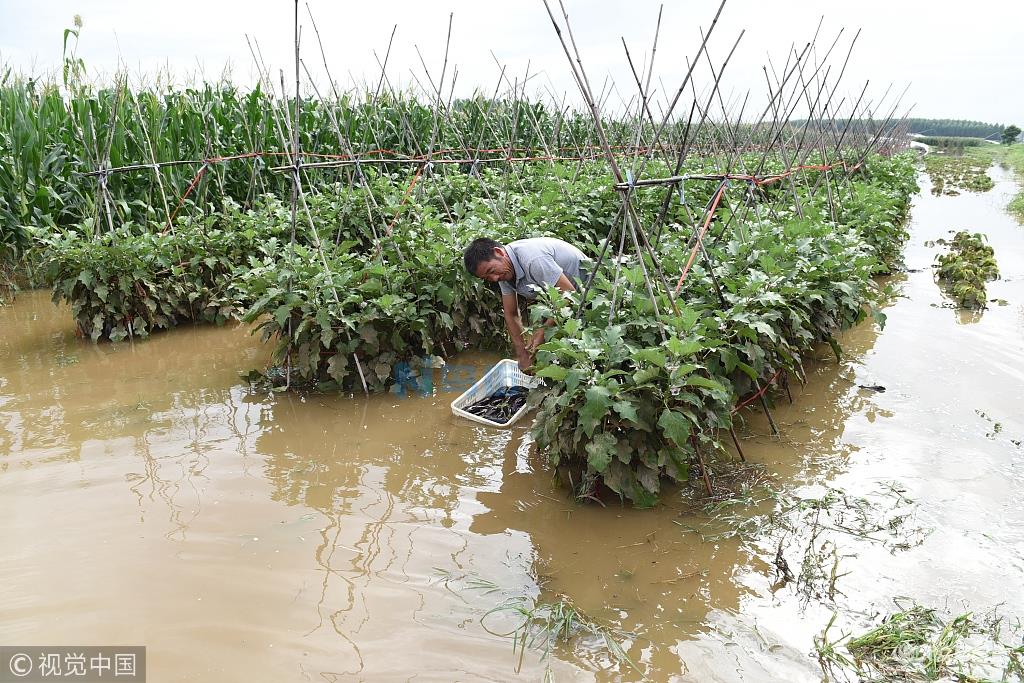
x=917 y=643
x=965 y=269
x=543 y=625
x=806 y=538
x=538 y=625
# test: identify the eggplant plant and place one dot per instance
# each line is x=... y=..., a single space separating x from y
x=964 y=270
x=638 y=390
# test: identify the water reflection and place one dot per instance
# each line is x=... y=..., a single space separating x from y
x=383 y=492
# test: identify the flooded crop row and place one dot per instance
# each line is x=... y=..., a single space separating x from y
x=148 y=495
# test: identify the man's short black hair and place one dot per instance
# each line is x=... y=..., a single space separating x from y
x=479 y=251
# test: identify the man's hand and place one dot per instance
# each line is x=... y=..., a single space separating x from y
x=536 y=339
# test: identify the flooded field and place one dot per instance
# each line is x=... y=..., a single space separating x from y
x=148 y=496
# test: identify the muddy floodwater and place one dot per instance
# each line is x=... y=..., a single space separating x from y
x=149 y=497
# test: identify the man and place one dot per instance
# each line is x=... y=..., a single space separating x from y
x=523 y=268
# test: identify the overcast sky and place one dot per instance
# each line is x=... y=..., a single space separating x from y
x=960 y=61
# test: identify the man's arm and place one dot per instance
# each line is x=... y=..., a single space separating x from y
x=510 y=307
x=564 y=284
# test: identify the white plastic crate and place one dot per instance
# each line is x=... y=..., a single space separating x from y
x=505 y=374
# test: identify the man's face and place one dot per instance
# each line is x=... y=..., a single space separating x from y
x=498 y=269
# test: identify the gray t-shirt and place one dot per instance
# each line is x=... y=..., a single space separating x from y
x=539 y=262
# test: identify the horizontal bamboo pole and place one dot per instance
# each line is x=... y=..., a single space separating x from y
x=349 y=160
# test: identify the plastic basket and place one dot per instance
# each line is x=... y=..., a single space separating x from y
x=505 y=374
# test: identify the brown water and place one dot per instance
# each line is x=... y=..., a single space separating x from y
x=148 y=496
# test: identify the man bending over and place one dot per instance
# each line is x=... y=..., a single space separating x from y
x=523 y=268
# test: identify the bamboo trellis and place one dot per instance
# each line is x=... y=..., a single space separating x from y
x=715 y=128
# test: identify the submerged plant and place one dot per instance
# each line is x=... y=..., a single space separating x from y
x=965 y=269
x=950 y=173
x=807 y=537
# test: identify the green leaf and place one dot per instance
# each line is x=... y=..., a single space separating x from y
x=595 y=408
x=645 y=375
x=626 y=410
x=687 y=318
x=368 y=333
x=682 y=371
x=836 y=349
x=281 y=315
x=372 y=286
x=600 y=451
x=555 y=372
x=681 y=348
x=879 y=317
x=573 y=379
x=653 y=356
x=257 y=308
x=675 y=426
x=765 y=329
x=323 y=319
x=619 y=478
x=750 y=372
x=649 y=478
x=705 y=382
x=445 y=295
x=729 y=359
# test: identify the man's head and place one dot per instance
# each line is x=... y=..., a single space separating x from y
x=489 y=261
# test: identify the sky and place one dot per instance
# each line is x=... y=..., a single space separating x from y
x=955 y=61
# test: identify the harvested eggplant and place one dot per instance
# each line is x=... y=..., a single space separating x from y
x=500 y=406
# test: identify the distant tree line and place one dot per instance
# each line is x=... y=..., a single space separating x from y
x=954 y=128
x=951 y=141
